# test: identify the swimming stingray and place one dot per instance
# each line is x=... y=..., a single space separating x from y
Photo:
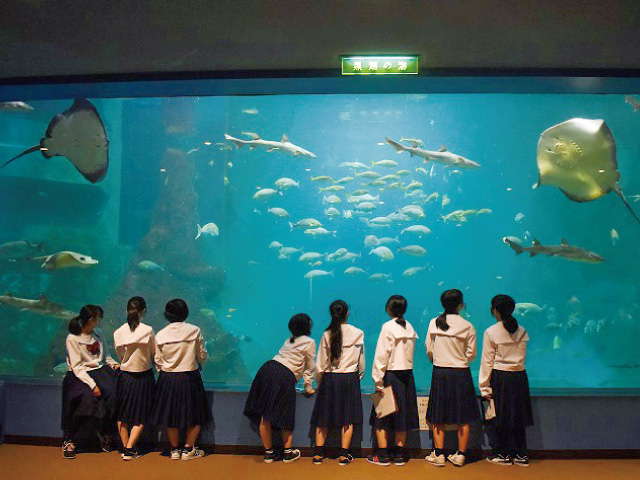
x=79 y=135
x=579 y=157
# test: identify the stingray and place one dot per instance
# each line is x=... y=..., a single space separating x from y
x=579 y=157
x=79 y=135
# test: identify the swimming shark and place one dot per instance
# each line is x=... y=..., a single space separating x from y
x=564 y=250
x=42 y=306
x=443 y=155
x=284 y=146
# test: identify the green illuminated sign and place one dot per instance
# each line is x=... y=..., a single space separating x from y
x=383 y=65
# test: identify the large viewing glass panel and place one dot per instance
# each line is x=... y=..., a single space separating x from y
x=172 y=169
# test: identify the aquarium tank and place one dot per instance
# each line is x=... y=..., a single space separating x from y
x=253 y=208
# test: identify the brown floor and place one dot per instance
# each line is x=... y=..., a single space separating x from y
x=46 y=463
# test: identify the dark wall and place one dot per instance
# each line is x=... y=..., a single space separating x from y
x=71 y=37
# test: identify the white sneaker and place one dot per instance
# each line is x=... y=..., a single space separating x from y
x=457 y=459
x=435 y=460
x=176 y=453
x=192 y=454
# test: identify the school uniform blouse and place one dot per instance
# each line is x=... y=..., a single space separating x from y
x=352 y=357
x=454 y=348
x=135 y=349
x=86 y=352
x=299 y=357
x=180 y=348
x=394 y=350
x=501 y=350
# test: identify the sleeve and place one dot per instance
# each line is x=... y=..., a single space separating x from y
x=157 y=357
x=429 y=343
x=472 y=351
x=152 y=345
x=120 y=350
x=309 y=365
x=75 y=363
x=361 y=362
x=322 y=360
x=381 y=357
x=201 y=349
x=486 y=365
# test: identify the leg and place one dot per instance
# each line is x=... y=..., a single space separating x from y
x=502 y=437
x=173 y=434
x=520 y=440
x=438 y=436
x=135 y=435
x=287 y=438
x=381 y=436
x=463 y=437
x=401 y=439
x=321 y=436
x=265 y=434
x=347 y=433
x=192 y=435
x=123 y=431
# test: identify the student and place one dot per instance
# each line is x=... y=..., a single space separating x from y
x=451 y=346
x=504 y=379
x=89 y=387
x=135 y=347
x=181 y=402
x=272 y=398
x=393 y=365
x=339 y=369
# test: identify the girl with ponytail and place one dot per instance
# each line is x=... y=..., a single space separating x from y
x=451 y=346
x=88 y=388
x=339 y=369
x=135 y=346
x=503 y=379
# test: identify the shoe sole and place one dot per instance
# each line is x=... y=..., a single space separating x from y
x=399 y=464
x=378 y=463
x=502 y=464
x=69 y=458
x=291 y=460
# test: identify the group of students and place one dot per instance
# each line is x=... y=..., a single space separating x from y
x=92 y=388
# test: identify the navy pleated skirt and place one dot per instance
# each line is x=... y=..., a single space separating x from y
x=338 y=401
x=273 y=396
x=404 y=390
x=136 y=394
x=452 y=399
x=512 y=399
x=181 y=400
x=78 y=399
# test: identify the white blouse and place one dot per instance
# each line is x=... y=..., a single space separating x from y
x=299 y=357
x=501 y=350
x=394 y=351
x=180 y=348
x=352 y=357
x=135 y=349
x=86 y=353
x=454 y=348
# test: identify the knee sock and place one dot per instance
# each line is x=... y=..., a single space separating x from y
x=520 y=441
x=439 y=451
x=344 y=452
x=318 y=451
x=383 y=452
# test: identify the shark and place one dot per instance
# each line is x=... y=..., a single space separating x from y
x=42 y=306
x=564 y=250
x=443 y=155
x=284 y=145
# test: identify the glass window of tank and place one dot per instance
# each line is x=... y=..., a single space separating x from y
x=254 y=208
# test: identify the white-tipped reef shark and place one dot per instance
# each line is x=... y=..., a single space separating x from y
x=443 y=155
x=566 y=251
x=79 y=135
x=284 y=146
x=42 y=306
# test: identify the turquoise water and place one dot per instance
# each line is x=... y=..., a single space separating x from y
x=171 y=168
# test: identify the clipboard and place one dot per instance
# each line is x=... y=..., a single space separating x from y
x=385 y=404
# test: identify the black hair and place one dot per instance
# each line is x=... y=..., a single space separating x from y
x=505 y=305
x=397 y=306
x=135 y=307
x=86 y=313
x=338 y=310
x=176 y=310
x=300 y=324
x=450 y=300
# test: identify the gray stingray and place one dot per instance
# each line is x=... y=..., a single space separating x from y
x=579 y=157
x=79 y=135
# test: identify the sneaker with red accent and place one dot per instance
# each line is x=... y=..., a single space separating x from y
x=69 y=450
x=378 y=460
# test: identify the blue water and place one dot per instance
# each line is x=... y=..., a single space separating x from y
x=115 y=221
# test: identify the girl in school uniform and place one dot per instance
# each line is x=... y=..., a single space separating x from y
x=339 y=369
x=272 y=398
x=504 y=379
x=451 y=346
x=89 y=387
x=135 y=347
x=181 y=402
x=393 y=366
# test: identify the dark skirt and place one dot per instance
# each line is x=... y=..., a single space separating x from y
x=512 y=399
x=78 y=399
x=273 y=396
x=136 y=393
x=181 y=400
x=452 y=399
x=404 y=391
x=338 y=401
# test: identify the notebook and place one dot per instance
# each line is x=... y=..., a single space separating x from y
x=385 y=404
x=489 y=409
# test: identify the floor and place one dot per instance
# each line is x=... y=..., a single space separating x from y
x=46 y=463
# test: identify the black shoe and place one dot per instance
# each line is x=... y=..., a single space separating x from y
x=270 y=456
x=499 y=459
x=317 y=459
x=291 y=455
x=521 y=460
x=105 y=443
x=399 y=460
x=345 y=460
x=378 y=460
x=130 y=454
x=69 y=449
